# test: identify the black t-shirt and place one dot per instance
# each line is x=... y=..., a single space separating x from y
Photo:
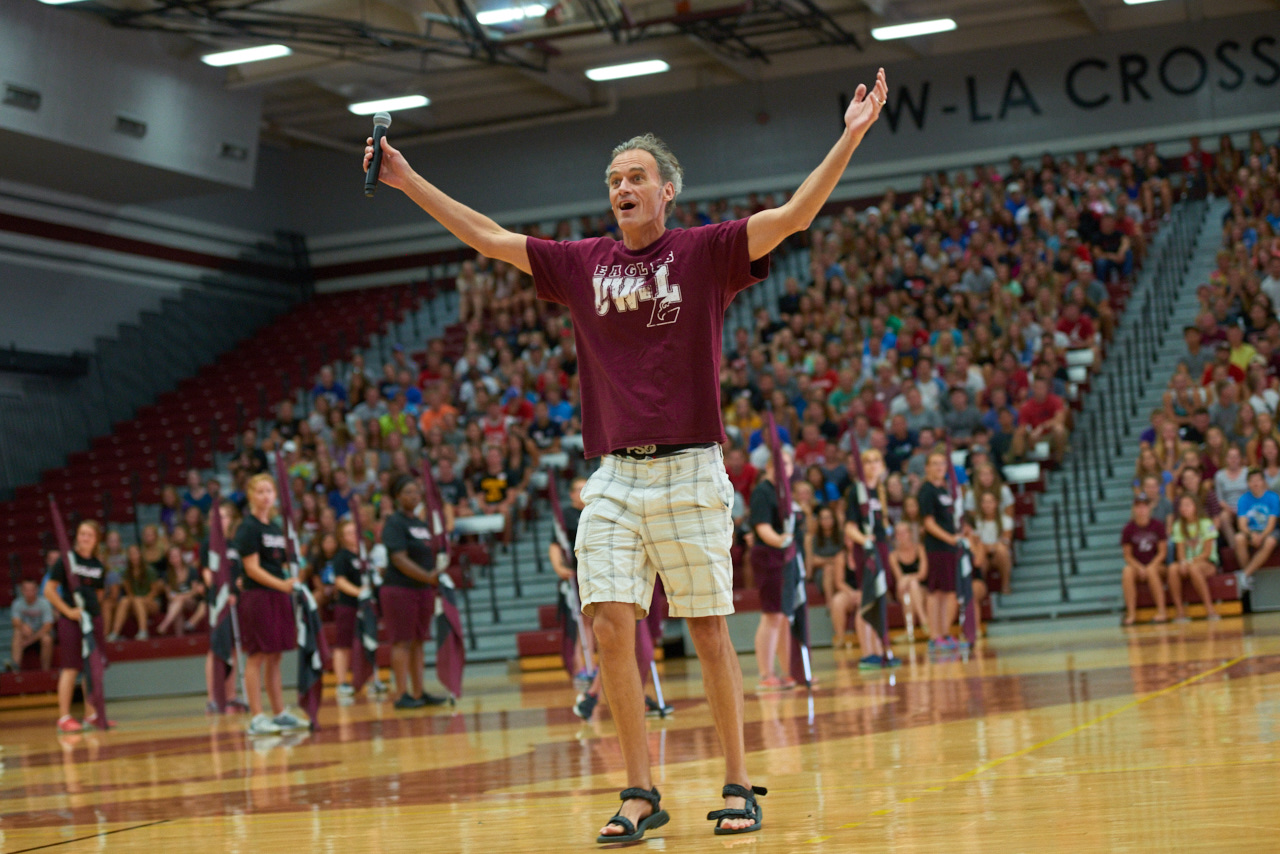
x=404 y=533
x=452 y=491
x=347 y=565
x=572 y=515
x=266 y=540
x=90 y=578
x=936 y=501
x=544 y=435
x=853 y=509
x=766 y=509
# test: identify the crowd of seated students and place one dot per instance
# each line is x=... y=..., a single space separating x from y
x=1207 y=472
x=925 y=324
x=927 y=327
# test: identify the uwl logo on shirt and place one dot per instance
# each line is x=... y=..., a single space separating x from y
x=626 y=287
x=273 y=541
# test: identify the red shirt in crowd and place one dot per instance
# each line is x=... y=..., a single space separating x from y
x=648 y=325
x=1145 y=541
x=807 y=455
x=1036 y=412
x=744 y=480
x=1080 y=330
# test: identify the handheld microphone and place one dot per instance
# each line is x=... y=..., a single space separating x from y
x=381 y=121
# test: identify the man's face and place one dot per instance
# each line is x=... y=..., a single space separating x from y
x=637 y=194
x=1142 y=513
x=29 y=592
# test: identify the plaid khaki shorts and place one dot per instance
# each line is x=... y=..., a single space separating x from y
x=670 y=516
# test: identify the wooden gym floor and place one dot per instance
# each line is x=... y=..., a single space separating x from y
x=1159 y=739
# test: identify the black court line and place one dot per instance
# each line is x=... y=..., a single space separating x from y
x=91 y=836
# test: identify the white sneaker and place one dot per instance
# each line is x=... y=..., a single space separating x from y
x=286 y=720
x=346 y=691
x=142 y=635
x=263 y=725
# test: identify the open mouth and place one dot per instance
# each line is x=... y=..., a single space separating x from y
x=626 y=206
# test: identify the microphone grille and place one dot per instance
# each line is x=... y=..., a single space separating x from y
x=382 y=120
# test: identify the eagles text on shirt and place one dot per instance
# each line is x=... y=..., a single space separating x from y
x=626 y=287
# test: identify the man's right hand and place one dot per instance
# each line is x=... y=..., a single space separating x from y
x=395 y=170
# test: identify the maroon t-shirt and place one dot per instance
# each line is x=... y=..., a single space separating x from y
x=1144 y=541
x=648 y=327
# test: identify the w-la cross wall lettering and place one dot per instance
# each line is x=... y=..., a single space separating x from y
x=1135 y=80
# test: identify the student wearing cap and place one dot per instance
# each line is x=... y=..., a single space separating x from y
x=406 y=596
x=1144 y=544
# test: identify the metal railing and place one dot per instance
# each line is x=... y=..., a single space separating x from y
x=1121 y=387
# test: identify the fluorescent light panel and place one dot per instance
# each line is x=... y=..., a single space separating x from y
x=906 y=31
x=510 y=15
x=403 y=102
x=1139 y=2
x=59 y=2
x=628 y=69
x=246 y=54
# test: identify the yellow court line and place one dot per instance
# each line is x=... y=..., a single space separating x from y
x=987 y=766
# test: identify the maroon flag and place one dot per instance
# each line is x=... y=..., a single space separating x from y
x=964 y=574
x=795 y=598
x=435 y=510
x=364 y=648
x=571 y=605
x=313 y=649
x=875 y=580
x=95 y=662
x=451 y=653
x=221 y=635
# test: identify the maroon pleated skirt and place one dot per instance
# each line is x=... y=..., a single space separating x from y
x=407 y=612
x=266 y=621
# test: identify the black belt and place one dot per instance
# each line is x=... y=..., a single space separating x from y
x=655 y=452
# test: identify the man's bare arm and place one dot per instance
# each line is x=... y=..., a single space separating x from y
x=471 y=227
x=766 y=229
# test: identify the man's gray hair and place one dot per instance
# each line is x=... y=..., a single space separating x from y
x=668 y=167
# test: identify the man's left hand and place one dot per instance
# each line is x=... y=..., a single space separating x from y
x=865 y=107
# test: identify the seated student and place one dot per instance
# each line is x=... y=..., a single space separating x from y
x=140 y=595
x=185 y=594
x=825 y=554
x=1196 y=541
x=1256 y=515
x=910 y=567
x=32 y=624
x=993 y=543
x=1144 y=542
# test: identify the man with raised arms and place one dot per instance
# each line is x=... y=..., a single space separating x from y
x=648 y=316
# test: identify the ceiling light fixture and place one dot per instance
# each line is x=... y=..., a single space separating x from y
x=511 y=15
x=245 y=54
x=59 y=2
x=906 y=31
x=1139 y=2
x=628 y=69
x=403 y=102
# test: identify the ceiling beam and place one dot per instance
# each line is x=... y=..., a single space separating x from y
x=743 y=70
x=571 y=86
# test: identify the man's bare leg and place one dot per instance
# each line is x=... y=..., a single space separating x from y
x=722 y=681
x=615 y=630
